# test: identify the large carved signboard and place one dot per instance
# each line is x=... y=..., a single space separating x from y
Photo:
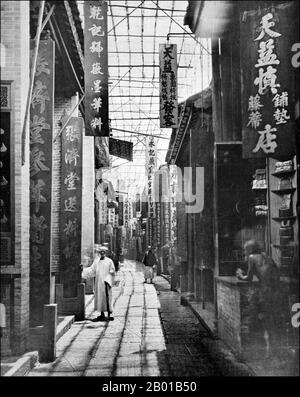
x=41 y=124
x=71 y=205
x=168 y=85
x=268 y=81
x=96 y=68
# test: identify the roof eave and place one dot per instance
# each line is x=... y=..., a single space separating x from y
x=210 y=18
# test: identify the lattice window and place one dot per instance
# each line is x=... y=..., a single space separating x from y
x=5 y=244
x=5 y=96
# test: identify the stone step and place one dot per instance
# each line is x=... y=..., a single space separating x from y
x=20 y=366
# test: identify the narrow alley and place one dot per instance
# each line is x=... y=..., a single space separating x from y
x=158 y=139
x=151 y=335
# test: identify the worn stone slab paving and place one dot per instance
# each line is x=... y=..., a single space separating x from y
x=152 y=335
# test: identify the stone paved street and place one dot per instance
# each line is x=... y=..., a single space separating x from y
x=152 y=335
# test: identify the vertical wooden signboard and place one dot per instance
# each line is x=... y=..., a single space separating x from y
x=268 y=81
x=168 y=86
x=96 y=68
x=71 y=205
x=41 y=124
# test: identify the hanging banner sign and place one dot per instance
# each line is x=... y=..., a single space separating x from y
x=168 y=86
x=158 y=223
x=165 y=207
x=268 y=81
x=173 y=189
x=116 y=221
x=138 y=204
x=120 y=200
x=96 y=68
x=103 y=212
x=111 y=215
x=41 y=127
x=122 y=149
x=71 y=204
x=126 y=213
x=151 y=163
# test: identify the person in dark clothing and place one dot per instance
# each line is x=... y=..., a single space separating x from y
x=266 y=301
x=150 y=263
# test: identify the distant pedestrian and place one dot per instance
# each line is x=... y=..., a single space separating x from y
x=175 y=269
x=150 y=263
x=165 y=250
x=265 y=303
x=104 y=270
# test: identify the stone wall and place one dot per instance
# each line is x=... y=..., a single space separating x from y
x=15 y=72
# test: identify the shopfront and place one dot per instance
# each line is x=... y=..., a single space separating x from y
x=255 y=95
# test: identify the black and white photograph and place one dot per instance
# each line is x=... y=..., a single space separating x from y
x=149 y=201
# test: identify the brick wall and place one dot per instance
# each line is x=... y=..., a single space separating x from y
x=15 y=39
x=229 y=316
x=238 y=319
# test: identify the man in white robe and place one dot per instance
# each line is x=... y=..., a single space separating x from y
x=103 y=270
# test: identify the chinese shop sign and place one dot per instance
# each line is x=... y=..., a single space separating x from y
x=71 y=204
x=173 y=188
x=268 y=81
x=151 y=162
x=120 y=200
x=111 y=215
x=122 y=149
x=41 y=125
x=138 y=204
x=168 y=85
x=158 y=223
x=96 y=68
x=150 y=169
x=126 y=213
x=166 y=222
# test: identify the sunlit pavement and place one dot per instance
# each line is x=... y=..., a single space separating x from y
x=151 y=335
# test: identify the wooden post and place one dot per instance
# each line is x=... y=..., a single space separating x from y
x=59 y=296
x=80 y=314
x=47 y=349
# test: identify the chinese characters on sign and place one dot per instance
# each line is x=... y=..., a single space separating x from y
x=173 y=188
x=126 y=213
x=71 y=203
x=168 y=85
x=158 y=223
x=268 y=83
x=41 y=124
x=151 y=163
x=96 y=68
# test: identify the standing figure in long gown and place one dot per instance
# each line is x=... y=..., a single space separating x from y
x=103 y=270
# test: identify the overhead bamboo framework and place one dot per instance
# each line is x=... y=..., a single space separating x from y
x=135 y=30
